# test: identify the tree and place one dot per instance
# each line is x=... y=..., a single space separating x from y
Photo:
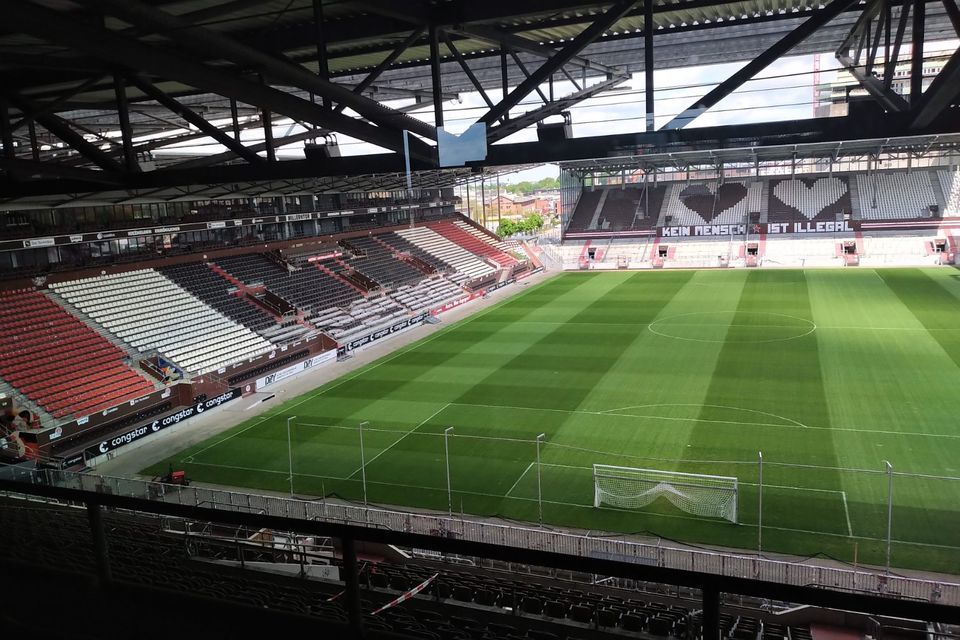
x=507 y=228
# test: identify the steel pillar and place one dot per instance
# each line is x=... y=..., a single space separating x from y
x=435 y=80
x=323 y=67
x=648 y=63
x=351 y=580
x=916 y=54
x=6 y=132
x=100 y=550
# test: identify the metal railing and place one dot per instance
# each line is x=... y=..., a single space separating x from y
x=608 y=548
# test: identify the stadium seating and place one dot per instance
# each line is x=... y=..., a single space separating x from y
x=379 y=263
x=709 y=203
x=950 y=185
x=462 y=603
x=467 y=265
x=211 y=287
x=149 y=311
x=403 y=245
x=59 y=362
x=311 y=288
x=895 y=195
x=808 y=199
x=473 y=244
x=621 y=209
x=427 y=294
x=496 y=243
x=584 y=212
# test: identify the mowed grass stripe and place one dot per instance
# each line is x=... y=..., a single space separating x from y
x=638 y=380
x=775 y=371
x=261 y=443
x=864 y=373
x=557 y=372
x=469 y=358
x=924 y=508
x=599 y=309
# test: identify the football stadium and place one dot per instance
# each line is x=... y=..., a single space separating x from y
x=537 y=320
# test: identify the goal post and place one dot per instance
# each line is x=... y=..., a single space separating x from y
x=696 y=493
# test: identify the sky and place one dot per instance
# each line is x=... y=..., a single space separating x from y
x=782 y=91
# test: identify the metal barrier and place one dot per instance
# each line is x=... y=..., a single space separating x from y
x=714 y=562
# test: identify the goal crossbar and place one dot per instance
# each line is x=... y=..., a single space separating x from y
x=634 y=488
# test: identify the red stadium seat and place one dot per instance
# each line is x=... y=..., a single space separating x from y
x=59 y=362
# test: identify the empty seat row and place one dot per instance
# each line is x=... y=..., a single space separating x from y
x=150 y=311
x=59 y=362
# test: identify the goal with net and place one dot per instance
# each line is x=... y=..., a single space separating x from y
x=695 y=493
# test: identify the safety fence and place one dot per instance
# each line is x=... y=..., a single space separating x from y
x=659 y=555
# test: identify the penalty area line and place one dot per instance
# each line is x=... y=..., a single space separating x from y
x=846 y=512
x=514 y=486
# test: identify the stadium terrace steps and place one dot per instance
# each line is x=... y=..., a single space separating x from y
x=213 y=288
x=473 y=244
x=427 y=294
x=336 y=274
x=896 y=195
x=60 y=363
x=151 y=311
x=950 y=183
x=583 y=213
x=307 y=288
x=467 y=265
x=595 y=219
x=132 y=352
x=379 y=263
x=402 y=245
x=809 y=199
x=483 y=236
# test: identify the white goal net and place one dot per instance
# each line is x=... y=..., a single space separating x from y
x=695 y=493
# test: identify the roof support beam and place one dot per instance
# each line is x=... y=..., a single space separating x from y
x=59 y=127
x=648 y=68
x=523 y=68
x=466 y=70
x=126 y=133
x=58 y=27
x=34 y=169
x=218 y=46
x=861 y=33
x=206 y=161
x=954 y=14
x=891 y=66
x=526 y=45
x=916 y=54
x=53 y=105
x=6 y=131
x=436 y=82
x=557 y=60
x=552 y=108
x=267 y=120
x=942 y=92
x=323 y=67
x=392 y=57
x=198 y=121
x=780 y=48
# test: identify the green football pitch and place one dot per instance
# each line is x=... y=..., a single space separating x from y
x=830 y=373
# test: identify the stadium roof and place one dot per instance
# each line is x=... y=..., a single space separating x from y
x=391 y=181
x=917 y=146
x=94 y=90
